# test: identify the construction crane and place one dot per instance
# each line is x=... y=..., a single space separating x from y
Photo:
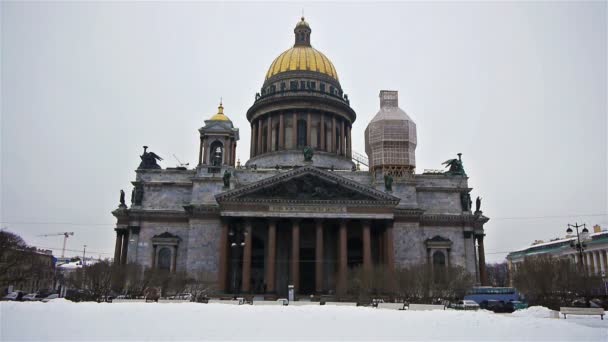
x=65 y=239
x=179 y=162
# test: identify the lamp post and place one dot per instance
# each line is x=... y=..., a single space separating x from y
x=579 y=246
x=236 y=237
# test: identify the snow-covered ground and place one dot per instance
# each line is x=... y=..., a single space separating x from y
x=63 y=320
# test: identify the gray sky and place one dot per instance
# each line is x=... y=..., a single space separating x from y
x=518 y=88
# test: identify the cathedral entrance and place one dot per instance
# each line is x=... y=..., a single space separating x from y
x=307 y=270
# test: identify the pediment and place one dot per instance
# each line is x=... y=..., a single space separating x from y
x=305 y=185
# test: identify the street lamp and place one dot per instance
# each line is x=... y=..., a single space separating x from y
x=579 y=246
x=236 y=237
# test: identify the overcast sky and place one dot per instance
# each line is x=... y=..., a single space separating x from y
x=518 y=88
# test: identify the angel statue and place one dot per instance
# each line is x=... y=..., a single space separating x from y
x=455 y=165
x=148 y=160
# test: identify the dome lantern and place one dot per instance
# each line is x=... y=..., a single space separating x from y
x=302 y=33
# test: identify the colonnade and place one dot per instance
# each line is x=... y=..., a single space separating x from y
x=384 y=235
x=595 y=261
x=279 y=131
x=121 y=247
x=228 y=145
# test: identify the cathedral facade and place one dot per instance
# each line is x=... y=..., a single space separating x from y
x=300 y=211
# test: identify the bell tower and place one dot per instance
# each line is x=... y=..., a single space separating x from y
x=390 y=139
x=218 y=141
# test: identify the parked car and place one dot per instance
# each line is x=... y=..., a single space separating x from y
x=465 y=305
x=515 y=305
x=33 y=297
x=497 y=306
x=14 y=296
x=284 y=300
x=50 y=297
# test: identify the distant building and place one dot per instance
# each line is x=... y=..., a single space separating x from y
x=595 y=256
x=32 y=270
x=300 y=213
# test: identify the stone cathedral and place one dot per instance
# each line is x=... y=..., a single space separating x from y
x=300 y=211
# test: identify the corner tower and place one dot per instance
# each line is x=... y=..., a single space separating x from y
x=390 y=138
x=301 y=104
x=218 y=140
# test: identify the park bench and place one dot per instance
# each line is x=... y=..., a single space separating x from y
x=302 y=303
x=341 y=303
x=392 y=306
x=223 y=301
x=425 y=307
x=582 y=311
x=267 y=302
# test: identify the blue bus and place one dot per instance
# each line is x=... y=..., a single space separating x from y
x=481 y=293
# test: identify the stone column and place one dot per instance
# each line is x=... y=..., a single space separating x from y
x=482 y=260
x=174 y=259
x=227 y=152
x=222 y=273
x=272 y=251
x=154 y=257
x=246 y=281
x=205 y=151
x=281 y=131
x=294 y=131
x=333 y=134
x=322 y=132
x=342 y=257
x=308 y=129
x=350 y=141
x=295 y=254
x=319 y=257
x=200 y=152
x=125 y=247
x=596 y=269
x=233 y=154
x=259 y=149
x=367 y=246
x=252 y=146
x=269 y=134
x=600 y=255
x=117 y=247
x=342 y=139
x=388 y=243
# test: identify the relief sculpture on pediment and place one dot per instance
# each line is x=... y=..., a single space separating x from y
x=308 y=188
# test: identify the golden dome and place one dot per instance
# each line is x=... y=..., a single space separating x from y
x=220 y=116
x=302 y=56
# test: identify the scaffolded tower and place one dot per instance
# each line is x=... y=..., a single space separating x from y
x=390 y=139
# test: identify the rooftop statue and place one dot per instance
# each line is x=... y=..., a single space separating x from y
x=478 y=204
x=226 y=178
x=122 y=199
x=388 y=182
x=455 y=165
x=308 y=152
x=148 y=160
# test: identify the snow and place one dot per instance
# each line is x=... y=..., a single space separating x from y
x=67 y=321
x=534 y=311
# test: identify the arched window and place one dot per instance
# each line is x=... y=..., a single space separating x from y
x=439 y=267
x=301 y=133
x=164 y=259
x=216 y=153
